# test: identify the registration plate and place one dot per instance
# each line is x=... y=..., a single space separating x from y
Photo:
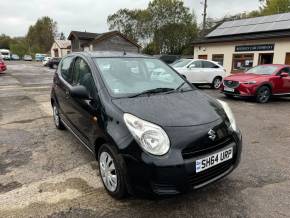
x=214 y=159
x=229 y=89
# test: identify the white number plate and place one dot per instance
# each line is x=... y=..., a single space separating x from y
x=214 y=159
x=229 y=89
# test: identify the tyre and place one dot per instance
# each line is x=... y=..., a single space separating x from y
x=263 y=94
x=216 y=83
x=56 y=118
x=112 y=171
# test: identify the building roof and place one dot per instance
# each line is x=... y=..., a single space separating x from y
x=116 y=54
x=106 y=35
x=273 y=26
x=83 y=35
x=63 y=43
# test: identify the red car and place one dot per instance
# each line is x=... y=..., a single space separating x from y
x=261 y=82
x=2 y=66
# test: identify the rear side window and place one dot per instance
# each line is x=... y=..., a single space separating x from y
x=65 y=68
x=82 y=75
x=207 y=64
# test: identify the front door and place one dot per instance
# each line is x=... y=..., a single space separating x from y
x=84 y=115
x=195 y=72
x=283 y=83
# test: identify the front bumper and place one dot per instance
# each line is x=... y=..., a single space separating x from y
x=243 y=90
x=175 y=173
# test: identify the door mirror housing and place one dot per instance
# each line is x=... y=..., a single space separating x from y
x=80 y=92
x=284 y=74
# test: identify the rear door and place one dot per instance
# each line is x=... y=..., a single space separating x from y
x=62 y=84
x=210 y=71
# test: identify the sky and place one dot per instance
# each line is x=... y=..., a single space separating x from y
x=91 y=15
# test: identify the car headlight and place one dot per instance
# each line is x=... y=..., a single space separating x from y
x=249 y=82
x=229 y=114
x=149 y=136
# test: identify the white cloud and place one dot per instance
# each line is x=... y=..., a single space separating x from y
x=91 y=15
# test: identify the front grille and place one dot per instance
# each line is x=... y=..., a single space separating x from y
x=209 y=174
x=231 y=84
x=193 y=152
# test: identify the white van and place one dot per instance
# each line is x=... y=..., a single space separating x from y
x=5 y=53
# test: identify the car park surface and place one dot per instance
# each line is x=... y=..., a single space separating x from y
x=44 y=172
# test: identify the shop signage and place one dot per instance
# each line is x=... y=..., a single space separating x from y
x=262 y=47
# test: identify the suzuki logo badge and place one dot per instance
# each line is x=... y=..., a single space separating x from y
x=211 y=135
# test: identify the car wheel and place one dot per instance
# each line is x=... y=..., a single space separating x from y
x=57 y=120
x=217 y=82
x=263 y=94
x=112 y=171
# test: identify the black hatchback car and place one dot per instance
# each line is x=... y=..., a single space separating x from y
x=150 y=130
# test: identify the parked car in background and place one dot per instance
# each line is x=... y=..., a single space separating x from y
x=15 y=57
x=201 y=72
x=261 y=82
x=3 y=66
x=39 y=57
x=53 y=63
x=45 y=61
x=5 y=54
x=27 y=58
x=149 y=134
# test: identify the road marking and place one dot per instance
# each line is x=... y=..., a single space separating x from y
x=23 y=88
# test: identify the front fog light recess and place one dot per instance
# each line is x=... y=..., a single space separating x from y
x=152 y=138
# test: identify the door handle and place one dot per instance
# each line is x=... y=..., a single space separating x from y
x=67 y=94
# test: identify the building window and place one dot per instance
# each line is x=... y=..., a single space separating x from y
x=242 y=62
x=219 y=58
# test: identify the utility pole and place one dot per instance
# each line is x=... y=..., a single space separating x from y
x=204 y=16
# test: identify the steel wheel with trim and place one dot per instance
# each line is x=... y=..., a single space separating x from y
x=112 y=171
x=263 y=94
x=217 y=82
x=56 y=118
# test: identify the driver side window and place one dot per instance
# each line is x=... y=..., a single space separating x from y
x=196 y=64
x=82 y=75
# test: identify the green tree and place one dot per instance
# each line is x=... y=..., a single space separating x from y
x=41 y=36
x=132 y=23
x=270 y=7
x=5 y=41
x=19 y=46
x=166 y=26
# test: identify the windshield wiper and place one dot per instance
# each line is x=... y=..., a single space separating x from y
x=152 y=91
x=177 y=89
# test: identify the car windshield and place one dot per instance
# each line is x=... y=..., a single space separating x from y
x=263 y=70
x=181 y=63
x=127 y=77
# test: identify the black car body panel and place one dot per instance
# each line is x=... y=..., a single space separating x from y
x=186 y=117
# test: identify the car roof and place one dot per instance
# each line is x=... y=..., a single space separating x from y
x=112 y=54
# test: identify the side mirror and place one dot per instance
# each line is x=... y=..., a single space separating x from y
x=80 y=92
x=283 y=74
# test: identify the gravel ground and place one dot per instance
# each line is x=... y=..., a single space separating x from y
x=48 y=173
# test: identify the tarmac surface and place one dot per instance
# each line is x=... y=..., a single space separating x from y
x=48 y=173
